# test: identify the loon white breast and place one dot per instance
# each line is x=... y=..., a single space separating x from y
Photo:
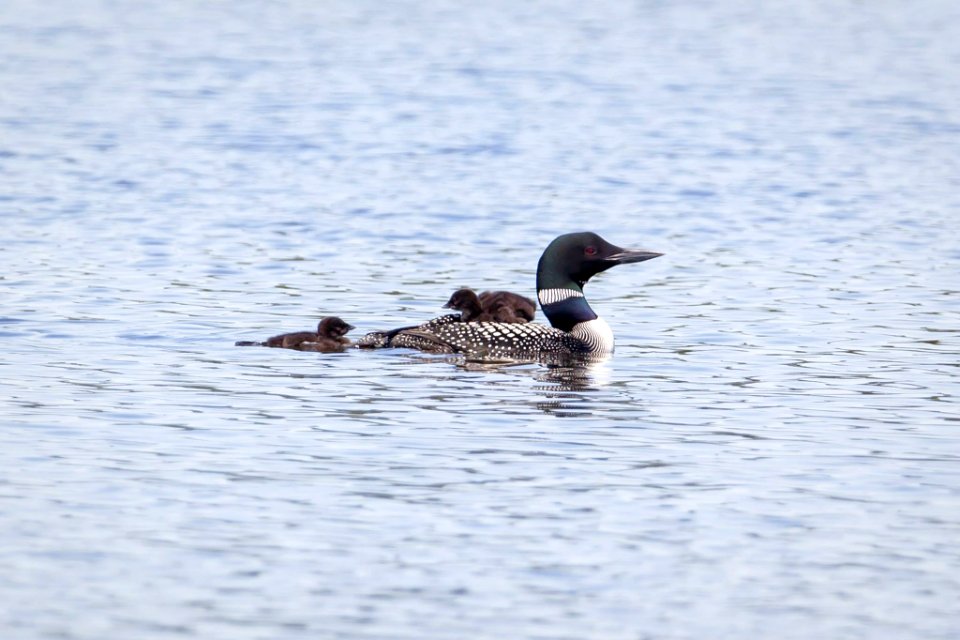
x=564 y=268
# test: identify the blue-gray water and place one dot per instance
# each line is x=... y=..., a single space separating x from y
x=773 y=452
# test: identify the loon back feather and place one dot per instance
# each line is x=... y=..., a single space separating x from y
x=382 y=339
x=499 y=340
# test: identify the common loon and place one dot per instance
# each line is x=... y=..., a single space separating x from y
x=472 y=309
x=329 y=336
x=564 y=268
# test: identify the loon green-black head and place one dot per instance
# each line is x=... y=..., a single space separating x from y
x=573 y=258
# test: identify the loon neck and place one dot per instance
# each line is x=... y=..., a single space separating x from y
x=565 y=307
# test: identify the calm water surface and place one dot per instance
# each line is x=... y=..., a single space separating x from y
x=772 y=453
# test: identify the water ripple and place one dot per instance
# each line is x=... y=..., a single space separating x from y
x=772 y=450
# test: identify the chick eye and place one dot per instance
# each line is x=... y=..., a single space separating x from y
x=590 y=251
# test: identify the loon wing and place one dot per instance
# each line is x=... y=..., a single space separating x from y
x=383 y=339
x=479 y=340
x=422 y=340
x=501 y=340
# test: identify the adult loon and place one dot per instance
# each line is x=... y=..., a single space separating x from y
x=497 y=308
x=564 y=268
x=329 y=336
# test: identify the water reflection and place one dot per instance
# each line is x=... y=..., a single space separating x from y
x=563 y=390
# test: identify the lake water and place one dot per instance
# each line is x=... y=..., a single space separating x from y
x=773 y=452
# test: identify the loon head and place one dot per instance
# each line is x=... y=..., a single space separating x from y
x=566 y=265
x=333 y=327
x=573 y=258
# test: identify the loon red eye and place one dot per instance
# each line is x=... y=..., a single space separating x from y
x=590 y=251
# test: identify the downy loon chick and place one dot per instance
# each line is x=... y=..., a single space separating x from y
x=472 y=308
x=564 y=268
x=329 y=336
x=523 y=308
